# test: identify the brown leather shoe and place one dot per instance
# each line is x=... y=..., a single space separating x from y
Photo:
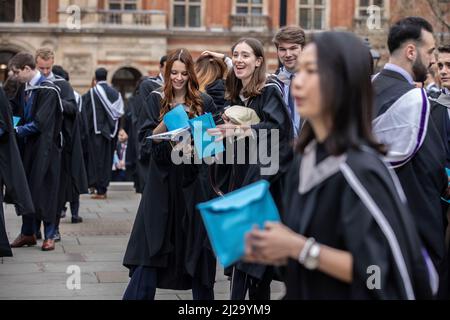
x=23 y=240
x=99 y=197
x=48 y=245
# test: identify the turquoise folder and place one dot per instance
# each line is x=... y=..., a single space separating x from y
x=227 y=220
x=16 y=121
x=205 y=144
x=176 y=118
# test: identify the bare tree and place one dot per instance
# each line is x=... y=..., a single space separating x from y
x=441 y=9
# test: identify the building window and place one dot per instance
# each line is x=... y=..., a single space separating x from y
x=312 y=14
x=249 y=7
x=31 y=10
x=122 y=4
x=7 y=10
x=187 y=13
x=363 y=5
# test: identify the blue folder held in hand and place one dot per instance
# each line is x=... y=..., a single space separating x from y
x=176 y=118
x=227 y=220
x=16 y=121
x=205 y=144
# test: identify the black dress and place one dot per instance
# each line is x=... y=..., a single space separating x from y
x=168 y=233
x=351 y=203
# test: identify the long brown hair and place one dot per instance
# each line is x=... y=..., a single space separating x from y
x=193 y=97
x=209 y=69
x=258 y=80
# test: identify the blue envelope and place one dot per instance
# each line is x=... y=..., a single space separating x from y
x=205 y=144
x=227 y=220
x=16 y=121
x=176 y=118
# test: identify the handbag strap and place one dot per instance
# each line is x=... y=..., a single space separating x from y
x=212 y=171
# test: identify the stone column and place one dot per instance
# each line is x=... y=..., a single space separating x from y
x=19 y=12
x=44 y=11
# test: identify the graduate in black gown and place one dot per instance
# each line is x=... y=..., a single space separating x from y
x=247 y=86
x=440 y=111
x=73 y=180
x=403 y=122
x=133 y=159
x=168 y=246
x=38 y=104
x=102 y=108
x=346 y=217
x=142 y=112
x=12 y=174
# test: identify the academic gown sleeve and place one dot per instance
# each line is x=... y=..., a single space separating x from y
x=210 y=107
x=273 y=111
x=12 y=173
x=151 y=113
x=371 y=245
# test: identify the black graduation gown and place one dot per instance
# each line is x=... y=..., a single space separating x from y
x=99 y=148
x=149 y=85
x=271 y=109
x=73 y=180
x=41 y=152
x=136 y=104
x=439 y=111
x=423 y=178
x=142 y=113
x=168 y=233
x=216 y=91
x=331 y=209
x=131 y=154
x=12 y=174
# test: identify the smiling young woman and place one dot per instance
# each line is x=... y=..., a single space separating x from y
x=168 y=247
x=248 y=86
x=344 y=213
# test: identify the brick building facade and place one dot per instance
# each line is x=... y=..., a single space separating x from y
x=129 y=36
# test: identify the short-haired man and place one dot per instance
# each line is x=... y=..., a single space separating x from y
x=442 y=111
x=289 y=42
x=38 y=104
x=73 y=179
x=404 y=124
x=102 y=108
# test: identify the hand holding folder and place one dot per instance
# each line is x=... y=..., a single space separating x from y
x=227 y=220
x=205 y=144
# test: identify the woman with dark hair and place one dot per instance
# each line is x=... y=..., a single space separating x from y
x=168 y=247
x=248 y=87
x=348 y=233
x=211 y=73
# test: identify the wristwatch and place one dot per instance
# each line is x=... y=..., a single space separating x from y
x=312 y=258
x=309 y=256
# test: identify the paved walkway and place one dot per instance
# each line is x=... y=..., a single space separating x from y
x=96 y=246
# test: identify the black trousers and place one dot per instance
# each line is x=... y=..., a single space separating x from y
x=143 y=282
x=258 y=289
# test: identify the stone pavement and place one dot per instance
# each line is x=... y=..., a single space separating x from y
x=97 y=246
